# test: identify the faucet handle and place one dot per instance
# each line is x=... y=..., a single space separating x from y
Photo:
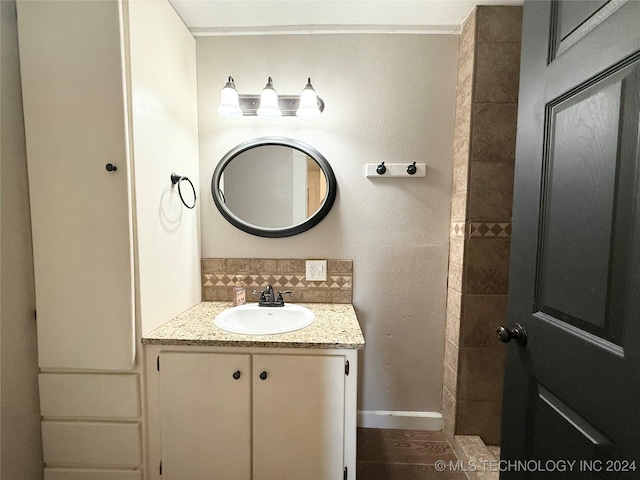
x=262 y=298
x=280 y=299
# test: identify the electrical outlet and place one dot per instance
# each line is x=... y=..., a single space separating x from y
x=316 y=270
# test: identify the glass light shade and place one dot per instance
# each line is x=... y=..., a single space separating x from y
x=269 y=102
x=308 y=107
x=229 y=106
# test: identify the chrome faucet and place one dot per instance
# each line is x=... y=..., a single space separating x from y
x=268 y=297
x=268 y=294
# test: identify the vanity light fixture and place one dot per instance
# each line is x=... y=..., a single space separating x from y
x=269 y=104
x=308 y=109
x=229 y=105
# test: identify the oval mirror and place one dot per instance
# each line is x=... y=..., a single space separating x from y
x=273 y=187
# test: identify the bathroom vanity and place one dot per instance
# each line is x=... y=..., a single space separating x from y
x=224 y=405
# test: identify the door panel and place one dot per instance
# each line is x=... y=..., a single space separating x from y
x=562 y=437
x=572 y=20
x=573 y=14
x=572 y=392
x=205 y=416
x=580 y=196
x=570 y=436
x=298 y=417
x=74 y=112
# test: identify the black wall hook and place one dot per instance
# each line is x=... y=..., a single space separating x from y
x=381 y=169
x=412 y=169
x=177 y=179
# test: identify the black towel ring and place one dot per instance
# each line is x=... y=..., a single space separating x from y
x=177 y=179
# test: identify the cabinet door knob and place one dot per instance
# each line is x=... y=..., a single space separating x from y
x=111 y=167
x=236 y=374
x=263 y=376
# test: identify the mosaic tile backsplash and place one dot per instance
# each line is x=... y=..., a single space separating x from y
x=219 y=276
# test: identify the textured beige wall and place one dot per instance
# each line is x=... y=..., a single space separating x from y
x=388 y=98
x=20 y=442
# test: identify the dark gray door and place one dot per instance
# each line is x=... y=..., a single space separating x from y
x=572 y=392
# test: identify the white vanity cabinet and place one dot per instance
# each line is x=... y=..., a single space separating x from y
x=251 y=413
x=205 y=419
x=298 y=416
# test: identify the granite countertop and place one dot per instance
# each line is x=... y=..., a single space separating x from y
x=336 y=326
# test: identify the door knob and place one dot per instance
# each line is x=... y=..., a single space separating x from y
x=236 y=374
x=517 y=332
x=263 y=376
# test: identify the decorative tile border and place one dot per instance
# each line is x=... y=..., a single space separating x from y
x=490 y=230
x=458 y=229
x=219 y=276
x=461 y=229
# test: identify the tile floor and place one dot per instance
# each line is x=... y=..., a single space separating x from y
x=472 y=449
x=403 y=455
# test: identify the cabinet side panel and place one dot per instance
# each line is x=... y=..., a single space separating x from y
x=165 y=140
x=350 y=416
x=70 y=54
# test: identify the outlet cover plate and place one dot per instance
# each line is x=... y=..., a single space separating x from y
x=316 y=270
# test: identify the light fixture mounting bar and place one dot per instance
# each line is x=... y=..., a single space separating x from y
x=288 y=104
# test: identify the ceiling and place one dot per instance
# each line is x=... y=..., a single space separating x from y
x=263 y=17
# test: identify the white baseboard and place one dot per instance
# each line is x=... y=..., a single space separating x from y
x=398 y=419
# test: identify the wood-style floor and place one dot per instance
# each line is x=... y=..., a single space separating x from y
x=403 y=455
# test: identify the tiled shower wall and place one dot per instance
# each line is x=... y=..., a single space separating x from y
x=484 y=151
x=219 y=277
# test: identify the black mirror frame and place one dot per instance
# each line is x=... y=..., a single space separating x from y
x=310 y=222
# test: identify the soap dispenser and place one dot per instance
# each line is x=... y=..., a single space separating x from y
x=239 y=295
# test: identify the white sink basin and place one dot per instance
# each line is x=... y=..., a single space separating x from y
x=254 y=320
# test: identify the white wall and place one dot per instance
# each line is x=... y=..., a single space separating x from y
x=388 y=98
x=164 y=141
x=20 y=442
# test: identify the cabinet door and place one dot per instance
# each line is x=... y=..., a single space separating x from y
x=205 y=416
x=75 y=122
x=298 y=417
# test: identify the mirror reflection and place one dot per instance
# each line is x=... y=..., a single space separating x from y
x=273 y=187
